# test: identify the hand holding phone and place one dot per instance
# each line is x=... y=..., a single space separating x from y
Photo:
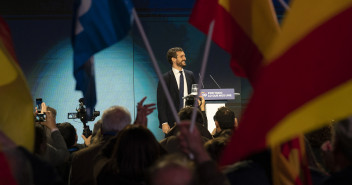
x=41 y=110
x=50 y=121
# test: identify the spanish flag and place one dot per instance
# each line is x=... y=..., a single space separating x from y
x=6 y=176
x=307 y=80
x=16 y=109
x=243 y=28
x=289 y=163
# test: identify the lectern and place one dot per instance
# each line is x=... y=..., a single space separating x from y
x=215 y=98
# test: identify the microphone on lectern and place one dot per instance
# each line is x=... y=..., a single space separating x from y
x=215 y=81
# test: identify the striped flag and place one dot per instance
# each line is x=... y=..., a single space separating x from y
x=97 y=24
x=290 y=163
x=306 y=81
x=6 y=176
x=243 y=28
x=16 y=108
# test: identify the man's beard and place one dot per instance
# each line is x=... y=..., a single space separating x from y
x=182 y=64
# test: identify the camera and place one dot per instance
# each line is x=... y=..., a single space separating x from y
x=82 y=113
x=190 y=100
x=40 y=117
x=84 y=116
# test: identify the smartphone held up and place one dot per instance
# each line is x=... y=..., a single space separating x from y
x=39 y=116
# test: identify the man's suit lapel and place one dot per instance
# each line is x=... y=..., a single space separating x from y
x=189 y=81
x=173 y=82
x=173 y=88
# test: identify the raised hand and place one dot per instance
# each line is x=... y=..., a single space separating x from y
x=143 y=111
x=87 y=141
x=44 y=108
x=201 y=103
x=165 y=127
x=191 y=142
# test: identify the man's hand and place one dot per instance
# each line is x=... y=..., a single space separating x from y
x=201 y=103
x=191 y=142
x=44 y=107
x=87 y=141
x=50 y=121
x=165 y=127
x=143 y=111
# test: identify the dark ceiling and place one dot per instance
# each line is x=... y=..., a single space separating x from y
x=64 y=7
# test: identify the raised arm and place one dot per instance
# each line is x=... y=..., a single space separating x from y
x=143 y=111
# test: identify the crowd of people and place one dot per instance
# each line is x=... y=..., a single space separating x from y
x=124 y=152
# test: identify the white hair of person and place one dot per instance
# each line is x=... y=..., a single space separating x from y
x=115 y=118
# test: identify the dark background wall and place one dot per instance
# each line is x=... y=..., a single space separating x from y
x=124 y=73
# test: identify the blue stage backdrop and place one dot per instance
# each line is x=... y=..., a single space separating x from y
x=124 y=73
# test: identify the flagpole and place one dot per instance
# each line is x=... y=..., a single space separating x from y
x=284 y=4
x=202 y=71
x=156 y=67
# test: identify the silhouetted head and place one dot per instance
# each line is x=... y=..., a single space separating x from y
x=114 y=119
x=136 y=149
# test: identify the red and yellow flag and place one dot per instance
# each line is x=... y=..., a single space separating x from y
x=306 y=81
x=6 y=176
x=289 y=163
x=243 y=28
x=16 y=109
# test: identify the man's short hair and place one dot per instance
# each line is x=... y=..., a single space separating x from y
x=215 y=147
x=225 y=118
x=68 y=132
x=115 y=119
x=172 y=53
x=186 y=114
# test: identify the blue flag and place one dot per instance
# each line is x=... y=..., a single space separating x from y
x=97 y=24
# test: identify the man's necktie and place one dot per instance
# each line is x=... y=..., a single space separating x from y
x=181 y=89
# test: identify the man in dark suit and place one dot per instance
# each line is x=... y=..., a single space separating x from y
x=179 y=82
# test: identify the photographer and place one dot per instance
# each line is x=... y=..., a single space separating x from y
x=56 y=152
x=201 y=106
x=225 y=122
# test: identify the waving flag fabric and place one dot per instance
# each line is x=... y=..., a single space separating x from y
x=289 y=163
x=16 y=108
x=6 y=176
x=307 y=81
x=243 y=28
x=97 y=25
